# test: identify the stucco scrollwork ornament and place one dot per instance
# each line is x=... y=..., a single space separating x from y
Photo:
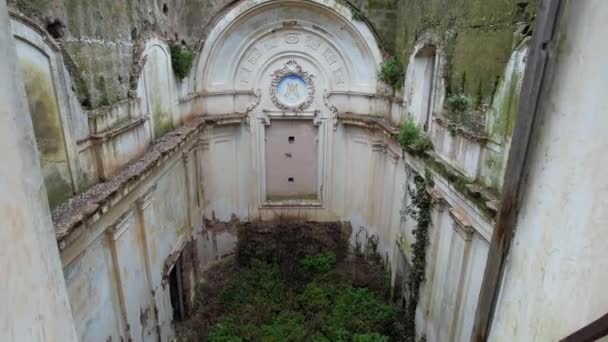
x=331 y=107
x=292 y=88
x=252 y=106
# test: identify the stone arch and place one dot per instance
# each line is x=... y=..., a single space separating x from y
x=41 y=68
x=155 y=87
x=233 y=73
x=251 y=30
x=424 y=87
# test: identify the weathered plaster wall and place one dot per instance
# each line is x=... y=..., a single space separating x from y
x=475 y=36
x=116 y=266
x=555 y=273
x=480 y=59
x=32 y=293
x=102 y=38
x=217 y=170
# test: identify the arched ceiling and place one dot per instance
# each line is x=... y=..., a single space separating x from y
x=254 y=37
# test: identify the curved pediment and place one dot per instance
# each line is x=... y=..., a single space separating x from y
x=253 y=40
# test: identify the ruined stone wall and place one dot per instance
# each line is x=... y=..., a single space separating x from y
x=102 y=39
x=143 y=180
x=32 y=293
x=476 y=36
x=554 y=278
x=120 y=241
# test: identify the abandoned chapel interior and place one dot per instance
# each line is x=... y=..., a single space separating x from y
x=303 y=170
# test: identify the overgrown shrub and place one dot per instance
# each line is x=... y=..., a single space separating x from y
x=181 y=59
x=320 y=263
x=413 y=139
x=409 y=132
x=392 y=73
x=261 y=305
x=458 y=103
x=370 y=338
x=357 y=15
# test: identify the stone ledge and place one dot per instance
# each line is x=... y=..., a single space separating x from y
x=71 y=217
x=126 y=126
x=462 y=131
x=369 y=121
x=478 y=195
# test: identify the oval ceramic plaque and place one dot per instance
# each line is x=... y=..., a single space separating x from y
x=292 y=88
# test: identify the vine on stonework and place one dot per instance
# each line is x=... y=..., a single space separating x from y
x=420 y=210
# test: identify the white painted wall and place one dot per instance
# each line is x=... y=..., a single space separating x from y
x=33 y=293
x=555 y=277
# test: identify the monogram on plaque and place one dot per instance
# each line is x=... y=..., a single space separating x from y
x=292 y=88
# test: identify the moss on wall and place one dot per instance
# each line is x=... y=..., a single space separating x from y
x=475 y=38
x=478 y=62
x=47 y=130
x=102 y=36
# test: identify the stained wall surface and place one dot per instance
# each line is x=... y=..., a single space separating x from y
x=33 y=293
x=553 y=283
x=148 y=171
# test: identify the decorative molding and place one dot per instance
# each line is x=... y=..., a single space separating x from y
x=461 y=224
x=258 y=98
x=251 y=107
x=292 y=68
x=145 y=200
x=121 y=225
x=438 y=200
x=331 y=107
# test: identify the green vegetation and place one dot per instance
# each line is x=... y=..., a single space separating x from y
x=263 y=305
x=357 y=15
x=458 y=103
x=420 y=210
x=392 y=73
x=294 y=280
x=181 y=59
x=412 y=139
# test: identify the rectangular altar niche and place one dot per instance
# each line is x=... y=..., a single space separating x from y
x=291 y=160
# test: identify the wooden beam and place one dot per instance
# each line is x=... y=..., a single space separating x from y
x=591 y=332
x=537 y=78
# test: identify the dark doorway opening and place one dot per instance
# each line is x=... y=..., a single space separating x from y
x=177 y=292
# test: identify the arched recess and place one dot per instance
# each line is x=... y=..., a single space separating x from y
x=423 y=82
x=254 y=31
x=41 y=68
x=155 y=87
x=236 y=71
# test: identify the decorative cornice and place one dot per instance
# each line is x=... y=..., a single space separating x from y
x=461 y=224
x=438 y=199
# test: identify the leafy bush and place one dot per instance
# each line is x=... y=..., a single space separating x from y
x=315 y=298
x=320 y=263
x=224 y=331
x=412 y=139
x=358 y=310
x=374 y=337
x=458 y=103
x=181 y=59
x=258 y=285
x=287 y=326
x=260 y=305
x=357 y=15
x=409 y=132
x=391 y=73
